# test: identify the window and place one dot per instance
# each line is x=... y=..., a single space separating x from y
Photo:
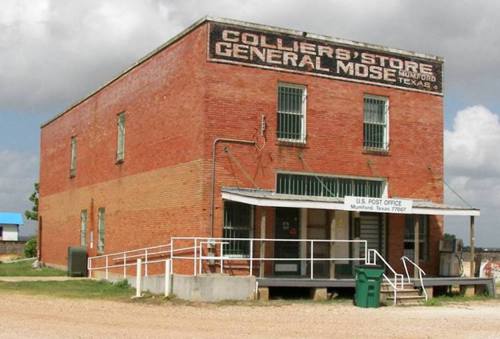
x=237 y=224
x=291 y=113
x=72 y=165
x=100 y=230
x=83 y=228
x=120 y=147
x=328 y=186
x=409 y=241
x=375 y=134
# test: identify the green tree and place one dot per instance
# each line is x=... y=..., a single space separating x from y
x=33 y=213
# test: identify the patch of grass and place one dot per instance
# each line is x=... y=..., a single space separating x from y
x=85 y=289
x=454 y=298
x=24 y=269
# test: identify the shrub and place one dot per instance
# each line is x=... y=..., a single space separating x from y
x=30 y=249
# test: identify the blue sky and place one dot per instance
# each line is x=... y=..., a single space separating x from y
x=55 y=52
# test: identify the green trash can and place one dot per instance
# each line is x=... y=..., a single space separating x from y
x=368 y=279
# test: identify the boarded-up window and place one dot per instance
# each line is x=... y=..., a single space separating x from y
x=291 y=113
x=120 y=149
x=375 y=134
x=83 y=228
x=101 y=230
x=72 y=165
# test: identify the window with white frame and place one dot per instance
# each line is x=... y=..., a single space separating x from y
x=375 y=126
x=72 y=165
x=120 y=147
x=291 y=113
x=83 y=228
x=101 y=230
x=423 y=236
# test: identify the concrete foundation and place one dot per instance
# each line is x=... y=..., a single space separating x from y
x=430 y=291
x=214 y=287
x=263 y=293
x=467 y=290
x=319 y=294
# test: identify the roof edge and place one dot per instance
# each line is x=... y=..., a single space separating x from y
x=247 y=24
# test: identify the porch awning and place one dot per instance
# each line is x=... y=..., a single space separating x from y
x=258 y=197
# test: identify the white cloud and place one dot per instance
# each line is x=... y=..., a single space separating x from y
x=472 y=167
x=55 y=52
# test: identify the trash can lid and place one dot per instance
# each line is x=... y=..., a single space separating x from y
x=370 y=266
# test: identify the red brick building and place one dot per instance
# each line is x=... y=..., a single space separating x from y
x=229 y=122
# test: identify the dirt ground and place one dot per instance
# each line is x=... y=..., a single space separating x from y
x=32 y=316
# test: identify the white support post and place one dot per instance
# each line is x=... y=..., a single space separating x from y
x=89 y=267
x=312 y=259
x=250 y=273
x=472 y=244
x=172 y=255
x=200 y=266
x=124 y=265
x=138 y=279
x=262 y=249
x=416 y=247
x=146 y=262
x=168 y=278
x=107 y=270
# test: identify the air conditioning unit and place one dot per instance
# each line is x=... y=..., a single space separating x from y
x=451 y=246
x=450 y=263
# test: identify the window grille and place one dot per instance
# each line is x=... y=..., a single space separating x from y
x=291 y=113
x=375 y=123
x=328 y=186
x=237 y=224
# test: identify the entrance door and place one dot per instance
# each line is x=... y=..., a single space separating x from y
x=373 y=231
x=287 y=227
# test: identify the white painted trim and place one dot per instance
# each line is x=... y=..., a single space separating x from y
x=266 y=202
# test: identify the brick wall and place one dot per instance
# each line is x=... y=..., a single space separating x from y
x=156 y=191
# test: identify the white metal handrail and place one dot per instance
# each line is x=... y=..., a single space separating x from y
x=198 y=257
x=421 y=273
x=397 y=276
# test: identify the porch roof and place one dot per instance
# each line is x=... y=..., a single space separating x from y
x=260 y=197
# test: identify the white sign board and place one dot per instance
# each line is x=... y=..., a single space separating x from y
x=379 y=205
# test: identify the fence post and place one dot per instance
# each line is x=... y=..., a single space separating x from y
x=312 y=259
x=107 y=264
x=89 y=266
x=168 y=278
x=251 y=257
x=222 y=258
x=138 y=279
x=146 y=262
x=124 y=265
x=195 y=256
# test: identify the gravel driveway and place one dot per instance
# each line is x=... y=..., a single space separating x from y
x=30 y=316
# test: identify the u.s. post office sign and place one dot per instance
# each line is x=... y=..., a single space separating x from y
x=289 y=52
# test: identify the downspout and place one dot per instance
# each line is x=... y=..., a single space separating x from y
x=212 y=195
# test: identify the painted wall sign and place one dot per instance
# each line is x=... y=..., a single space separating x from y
x=241 y=45
x=380 y=205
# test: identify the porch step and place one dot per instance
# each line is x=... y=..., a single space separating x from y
x=407 y=300
x=406 y=291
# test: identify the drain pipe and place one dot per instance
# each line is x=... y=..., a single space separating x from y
x=212 y=195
